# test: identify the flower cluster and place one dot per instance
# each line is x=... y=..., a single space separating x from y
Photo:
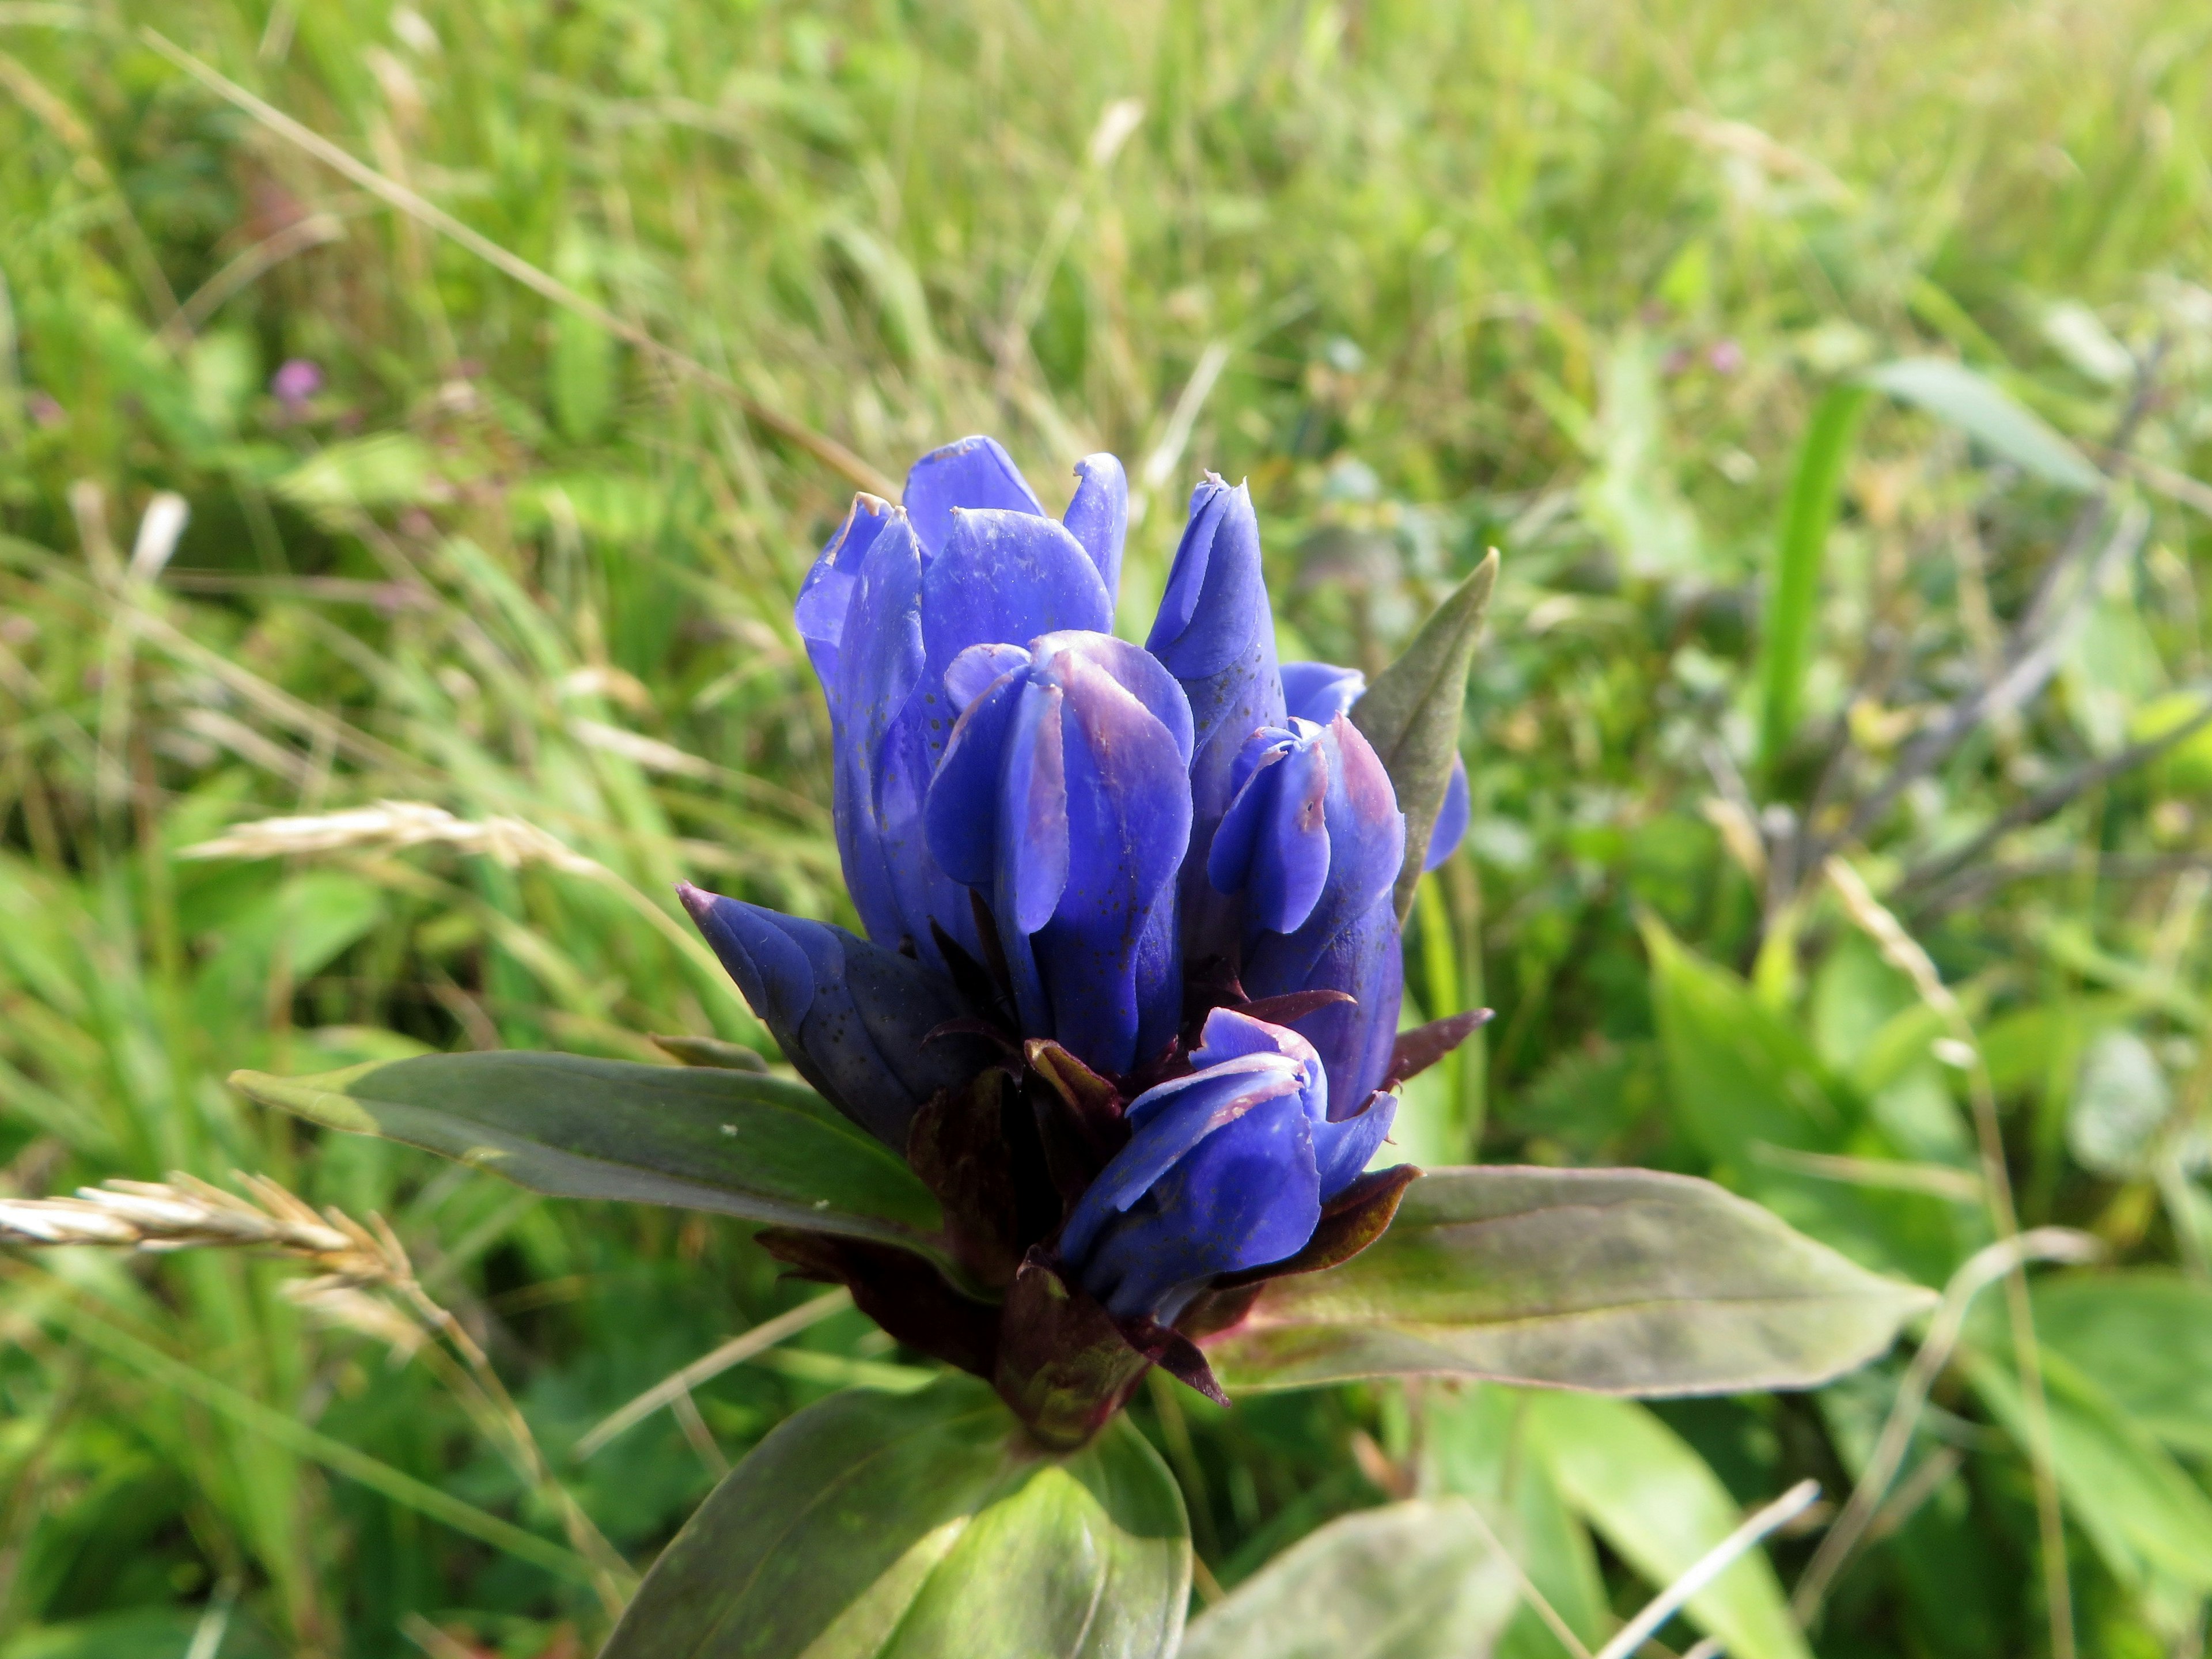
x=1128 y=999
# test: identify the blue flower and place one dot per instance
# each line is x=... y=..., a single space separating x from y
x=1227 y=1169
x=1064 y=800
x=1079 y=863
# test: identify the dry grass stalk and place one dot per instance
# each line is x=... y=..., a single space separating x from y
x=391 y=825
x=185 y=1212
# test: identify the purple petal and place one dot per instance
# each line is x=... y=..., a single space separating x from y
x=1343 y=1150
x=1320 y=691
x=1247 y=1196
x=962 y=813
x=1273 y=845
x=825 y=597
x=1169 y=1121
x=1450 y=827
x=1216 y=601
x=1001 y=578
x=973 y=473
x=878 y=664
x=1033 y=810
x=1128 y=804
x=1098 y=516
x=970 y=673
x=852 y=1017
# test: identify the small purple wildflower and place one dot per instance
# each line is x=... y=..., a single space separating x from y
x=296 y=382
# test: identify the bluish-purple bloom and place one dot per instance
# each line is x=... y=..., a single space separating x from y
x=1227 y=1169
x=1088 y=871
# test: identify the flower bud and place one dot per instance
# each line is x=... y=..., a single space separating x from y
x=1216 y=635
x=1314 y=840
x=854 y=1019
x=1063 y=799
x=1098 y=516
x=1321 y=690
x=1227 y=1169
x=897 y=595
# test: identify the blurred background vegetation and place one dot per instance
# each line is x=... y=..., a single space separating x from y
x=1641 y=292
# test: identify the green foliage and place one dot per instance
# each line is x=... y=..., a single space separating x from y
x=1570 y=281
x=922 y=1528
x=1416 y=1580
x=1628 y=1280
x=700 y=1139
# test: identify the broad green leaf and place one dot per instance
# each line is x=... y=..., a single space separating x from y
x=1475 y=1445
x=697 y=1138
x=2120 y=1103
x=1416 y=1580
x=1653 y=1499
x=1411 y=714
x=1794 y=593
x=1627 y=1281
x=384 y=468
x=2145 y=1337
x=1954 y=393
x=2151 y=1523
x=1742 y=1075
x=1752 y=1092
x=922 y=1526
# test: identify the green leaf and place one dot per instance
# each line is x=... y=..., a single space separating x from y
x=384 y=468
x=697 y=1138
x=1953 y=393
x=1793 y=598
x=1417 y=1580
x=1411 y=714
x=1751 y=1091
x=1628 y=1281
x=2150 y=1522
x=1475 y=1445
x=922 y=1526
x=2145 y=1337
x=581 y=370
x=1653 y=1499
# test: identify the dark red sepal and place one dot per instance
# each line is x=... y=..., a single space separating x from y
x=1291 y=1007
x=1065 y=1367
x=957 y=1144
x=1214 y=1311
x=1416 y=1050
x=1078 y=1117
x=1175 y=1354
x=900 y=1290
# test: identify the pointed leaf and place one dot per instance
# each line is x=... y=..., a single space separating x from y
x=1653 y=1499
x=1793 y=599
x=1623 y=1281
x=1411 y=714
x=697 y=1138
x=1417 y=1580
x=1973 y=403
x=924 y=1526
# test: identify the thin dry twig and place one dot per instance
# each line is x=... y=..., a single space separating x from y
x=677 y=1386
x=1708 y=1567
x=2055 y=799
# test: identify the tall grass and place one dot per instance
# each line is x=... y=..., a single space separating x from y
x=1567 y=278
